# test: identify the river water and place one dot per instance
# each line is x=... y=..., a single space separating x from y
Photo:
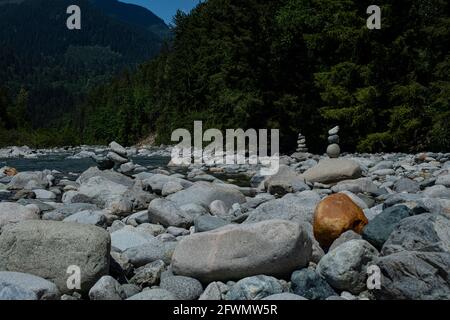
x=61 y=163
x=71 y=168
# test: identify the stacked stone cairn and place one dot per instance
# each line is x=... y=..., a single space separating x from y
x=301 y=144
x=116 y=158
x=333 y=149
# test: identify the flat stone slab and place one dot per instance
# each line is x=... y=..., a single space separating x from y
x=273 y=247
x=333 y=171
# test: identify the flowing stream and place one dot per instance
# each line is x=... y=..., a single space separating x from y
x=61 y=163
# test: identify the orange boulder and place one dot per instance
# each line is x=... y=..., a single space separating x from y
x=10 y=172
x=335 y=215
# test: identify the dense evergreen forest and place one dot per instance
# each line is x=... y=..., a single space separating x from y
x=297 y=65
x=46 y=70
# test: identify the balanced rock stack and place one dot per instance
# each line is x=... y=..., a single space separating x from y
x=103 y=162
x=333 y=149
x=119 y=156
x=116 y=158
x=301 y=143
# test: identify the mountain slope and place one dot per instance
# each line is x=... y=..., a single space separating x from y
x=54 y=67
x=10 y=1
x=39 y=27
x=300 y=66
x=133 y=15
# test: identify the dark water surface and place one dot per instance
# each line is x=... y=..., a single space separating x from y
x=62 y=164
x=71 y=168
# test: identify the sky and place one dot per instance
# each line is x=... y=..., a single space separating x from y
x=165 y=9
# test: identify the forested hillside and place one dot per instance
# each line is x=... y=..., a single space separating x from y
x=46 y=70
x=297 y=65
x=134 y=15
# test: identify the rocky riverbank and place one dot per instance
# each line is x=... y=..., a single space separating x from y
x=319 y=229
x=80 y=152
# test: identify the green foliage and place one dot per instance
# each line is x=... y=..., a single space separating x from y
x=48 y=70
x=375 y=142
x=19 y=112
x=297 y=65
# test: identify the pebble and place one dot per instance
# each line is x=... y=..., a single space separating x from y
x=184 y=288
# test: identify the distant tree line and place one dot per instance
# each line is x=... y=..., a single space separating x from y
x=297 y=65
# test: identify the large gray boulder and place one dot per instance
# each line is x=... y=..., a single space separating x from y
x=412 y=275
x=102 y=190
x=286 y=180
x=299 y=208
x=333 y=170
x=107 y=174
x=406 y=185
x=28 y=180
x=47 y=249
x=156 y=182
x=425 y=232
x=345 y=268
x=128 y=237
x=203 y=193
x=11 y=212
x=168 y=213
x=22 y=286
x=116 y=197
x=274 y=247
